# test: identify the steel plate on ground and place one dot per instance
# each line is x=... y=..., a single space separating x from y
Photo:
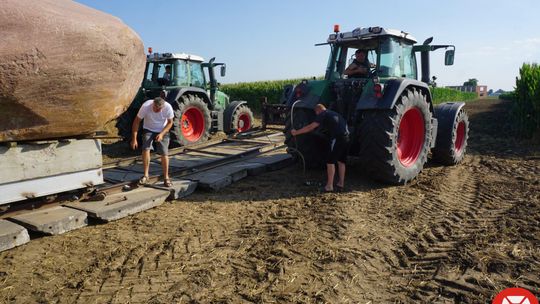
x=122 y=204
x=54 y=220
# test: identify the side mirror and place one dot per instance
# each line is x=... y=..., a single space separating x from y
x=223 y=70
x=449 y=57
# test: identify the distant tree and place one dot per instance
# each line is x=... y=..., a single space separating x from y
x=490 y=92
x=471 y=82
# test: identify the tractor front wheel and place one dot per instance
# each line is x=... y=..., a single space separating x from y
x=192 y=121
x=242 y=119
x=452 y=136
x=395 y=143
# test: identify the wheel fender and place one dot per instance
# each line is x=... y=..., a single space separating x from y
x=229 y=112
x=446 y=114
x=176 y=95
x=393 y=88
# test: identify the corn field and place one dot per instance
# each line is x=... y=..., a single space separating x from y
x=252 y=92
x=526 y=98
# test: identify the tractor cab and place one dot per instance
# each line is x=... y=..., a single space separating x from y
x=388 y=52
x=176 y=72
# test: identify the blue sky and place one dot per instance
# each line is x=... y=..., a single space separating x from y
x=267 y=40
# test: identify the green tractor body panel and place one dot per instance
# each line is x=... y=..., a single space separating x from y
x=222 y=100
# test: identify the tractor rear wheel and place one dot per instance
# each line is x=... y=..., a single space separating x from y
x=192 y=121
x=242 y=119
x=313 y=146
x=395 y=143
x=450 y=148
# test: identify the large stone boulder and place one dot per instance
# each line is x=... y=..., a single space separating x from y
x=65 y=69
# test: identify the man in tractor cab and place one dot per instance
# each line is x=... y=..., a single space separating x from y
x=167 y=74
x=158 y=119
x=360 y=66
x=339 y=143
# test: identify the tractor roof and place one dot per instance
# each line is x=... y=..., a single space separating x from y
x=365 y=33
x=156 y=57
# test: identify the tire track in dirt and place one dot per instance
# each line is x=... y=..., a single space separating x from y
x=277 y=252
x=289 y=257
x=461 y=205
x=183 y=260
x=455 y=208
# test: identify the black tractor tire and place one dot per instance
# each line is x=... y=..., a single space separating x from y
x=242 y=119
x=395 y=143
x=312 y=147
x=451 y=143
x=192 y=121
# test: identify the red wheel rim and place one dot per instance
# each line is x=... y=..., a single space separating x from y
x=244 y=123
x=192 y=124
x=410 y=137
x=460 y=137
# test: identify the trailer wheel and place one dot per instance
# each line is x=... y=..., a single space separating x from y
x=192 y=121
x=313 y=146
x=242 y=119
x=451 y=139
x=395 y=143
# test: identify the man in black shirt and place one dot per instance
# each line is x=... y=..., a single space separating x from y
x=339 y=142
x=360 y=66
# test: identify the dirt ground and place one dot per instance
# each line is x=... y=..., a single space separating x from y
x=455 y=235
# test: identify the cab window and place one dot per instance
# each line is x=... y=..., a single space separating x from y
x=196 y=74
x=397 y=59
x=149 y=80
x=180 y=77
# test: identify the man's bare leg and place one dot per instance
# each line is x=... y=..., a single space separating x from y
x=146 y=161
x=165 y=166
x=330 y=172
x=341 y=174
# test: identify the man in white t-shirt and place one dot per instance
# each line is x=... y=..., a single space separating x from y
x=158 y=119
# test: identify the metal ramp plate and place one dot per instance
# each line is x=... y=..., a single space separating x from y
x=119 y=205
x=273 y=161
x=180 y=188
x=191 y=159
x=12 y=235
x=219 y=177
x=251 y=168
x=54 y=220
x=211 y=181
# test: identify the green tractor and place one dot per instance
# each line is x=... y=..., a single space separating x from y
x=390 y=114
x=190 y=86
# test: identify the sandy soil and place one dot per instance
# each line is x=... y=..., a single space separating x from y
x=455 y=235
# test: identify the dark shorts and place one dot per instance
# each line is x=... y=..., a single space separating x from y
x=339 y=148
x=162 y=146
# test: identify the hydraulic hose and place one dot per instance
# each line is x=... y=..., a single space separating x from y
x=296 y=150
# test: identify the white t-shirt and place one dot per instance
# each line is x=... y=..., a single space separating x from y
x=153 y=121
